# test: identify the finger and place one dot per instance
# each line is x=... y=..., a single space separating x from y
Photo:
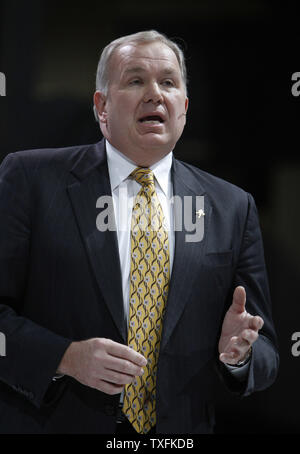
x=238 y=300
x=249 y=336
x=235 y=355
x=235 y=350
x=236 y=343
x=256 y=323
x=229 y=358
x=125 y=352
x=109 y=388
x=116 y=378
x=123 y=366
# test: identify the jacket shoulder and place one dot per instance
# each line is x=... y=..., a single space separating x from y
x=63 y=157
x=56 y=162
x=211 y=184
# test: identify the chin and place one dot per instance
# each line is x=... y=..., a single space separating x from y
x=154 y=142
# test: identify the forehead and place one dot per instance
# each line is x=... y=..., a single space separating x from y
x=144 y=55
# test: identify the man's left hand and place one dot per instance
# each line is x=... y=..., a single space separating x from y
x=239 y=330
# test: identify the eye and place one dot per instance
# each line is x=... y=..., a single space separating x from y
x=168 y=83
x=135 y=82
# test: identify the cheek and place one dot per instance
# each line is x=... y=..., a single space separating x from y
x=123 y=111
x=116 y=116
x=177 y=109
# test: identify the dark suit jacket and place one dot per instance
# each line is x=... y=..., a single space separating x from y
x=60 y=281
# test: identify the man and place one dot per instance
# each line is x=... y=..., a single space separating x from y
x=124 y=329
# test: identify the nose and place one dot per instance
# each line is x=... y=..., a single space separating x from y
x=153 y=93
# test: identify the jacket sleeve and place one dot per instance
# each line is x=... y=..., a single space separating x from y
x=250 y=272
x=32 y=352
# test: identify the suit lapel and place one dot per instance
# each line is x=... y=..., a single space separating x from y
x=89 y=182
x=184 y=271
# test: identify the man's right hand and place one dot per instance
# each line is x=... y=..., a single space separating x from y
x=102 y=364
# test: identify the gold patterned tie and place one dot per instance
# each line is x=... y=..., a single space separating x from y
x=149 y=283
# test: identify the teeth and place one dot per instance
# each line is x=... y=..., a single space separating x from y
x=151 y=119
x=155 y=122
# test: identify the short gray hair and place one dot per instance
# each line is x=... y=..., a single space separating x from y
x=144 y=37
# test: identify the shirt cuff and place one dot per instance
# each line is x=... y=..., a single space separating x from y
x=239 y=372
x=57 y=377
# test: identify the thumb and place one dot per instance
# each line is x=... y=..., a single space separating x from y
x=238 y=300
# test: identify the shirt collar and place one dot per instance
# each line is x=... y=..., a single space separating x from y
x=120 y=167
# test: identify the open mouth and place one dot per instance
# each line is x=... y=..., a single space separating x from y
x=152 y=119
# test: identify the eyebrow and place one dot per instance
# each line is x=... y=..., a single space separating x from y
x=139 y=69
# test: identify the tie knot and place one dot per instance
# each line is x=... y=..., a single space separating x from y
x=143 y=176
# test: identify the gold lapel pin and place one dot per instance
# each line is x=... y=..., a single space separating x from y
x=200 y=213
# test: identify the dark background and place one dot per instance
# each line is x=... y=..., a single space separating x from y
x=242 y=125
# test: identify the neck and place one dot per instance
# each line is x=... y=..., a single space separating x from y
x=146 y=158
x=141 y=157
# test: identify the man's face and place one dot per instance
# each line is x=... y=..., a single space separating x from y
x=143 y=114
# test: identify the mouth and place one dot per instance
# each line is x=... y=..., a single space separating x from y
x=152 y=119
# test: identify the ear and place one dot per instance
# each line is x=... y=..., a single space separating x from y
x=100 y=104
x=186 y=104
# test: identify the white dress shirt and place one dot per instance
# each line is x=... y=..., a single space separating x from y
x=124 y=190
